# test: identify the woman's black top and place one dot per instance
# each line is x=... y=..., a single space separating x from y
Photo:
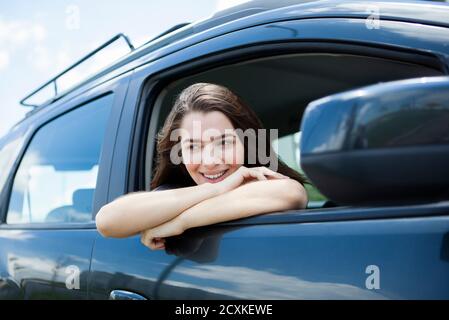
x=168 y=186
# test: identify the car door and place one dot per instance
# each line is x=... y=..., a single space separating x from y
x=326 y=253
x=47 y=231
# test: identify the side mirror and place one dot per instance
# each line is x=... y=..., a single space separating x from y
x=380 y=144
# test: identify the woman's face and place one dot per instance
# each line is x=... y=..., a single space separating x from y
x=211 y=150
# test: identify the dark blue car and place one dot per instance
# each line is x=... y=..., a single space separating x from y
x=359 y=93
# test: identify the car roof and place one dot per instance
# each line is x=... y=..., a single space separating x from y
x=268 y=10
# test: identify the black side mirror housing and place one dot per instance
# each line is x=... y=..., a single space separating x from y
x=380 y=144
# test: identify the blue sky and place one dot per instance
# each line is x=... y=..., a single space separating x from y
x=38 y=39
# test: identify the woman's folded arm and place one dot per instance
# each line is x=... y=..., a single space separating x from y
x=247 y=200
x=130 y=214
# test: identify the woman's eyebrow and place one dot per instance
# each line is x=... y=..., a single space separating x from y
x=212 y=138
x=223 y=136
x=190 y=140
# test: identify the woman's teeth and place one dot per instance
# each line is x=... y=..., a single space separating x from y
x=214 y=176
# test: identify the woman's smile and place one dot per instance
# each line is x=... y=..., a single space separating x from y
x=214 y=177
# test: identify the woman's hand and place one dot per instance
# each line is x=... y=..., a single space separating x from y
x=154 y=238
x=244 y=175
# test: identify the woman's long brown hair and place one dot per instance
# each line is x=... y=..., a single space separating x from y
x=207 y=97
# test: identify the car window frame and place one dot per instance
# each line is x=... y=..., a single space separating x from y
x=19 y=140
x=156 y=88
x=151 y=79
x=118 y=89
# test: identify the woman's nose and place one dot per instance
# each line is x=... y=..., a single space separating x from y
x=211 y=156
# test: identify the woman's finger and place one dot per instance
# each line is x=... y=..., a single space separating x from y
x=143 y=239
x=272 y=173
x=159 y=245
x=158 y=240
x=152 y=242
x=156 y=244
x=257 y=175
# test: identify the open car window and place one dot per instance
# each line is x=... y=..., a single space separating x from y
x=279 y=88
x=287 y=147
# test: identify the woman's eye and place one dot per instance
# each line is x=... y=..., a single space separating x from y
x=194 y=147
x=191 y=147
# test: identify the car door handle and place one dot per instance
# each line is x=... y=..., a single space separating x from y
x=125 y=295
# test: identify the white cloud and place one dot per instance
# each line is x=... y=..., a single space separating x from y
x=39 y=58
x=4 y=59
x=63 y=59
x=39 y=32
x=20 y=32
x=16 y=34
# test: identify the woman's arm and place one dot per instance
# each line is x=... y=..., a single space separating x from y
x=130 y=214
x=247 y=200
x=136 y=212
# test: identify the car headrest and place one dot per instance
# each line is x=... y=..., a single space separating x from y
x=82 y=199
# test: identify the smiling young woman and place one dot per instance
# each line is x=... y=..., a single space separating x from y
x=209 y=154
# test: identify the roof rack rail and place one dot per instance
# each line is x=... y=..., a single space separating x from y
x=175 y=27
x=53 y=80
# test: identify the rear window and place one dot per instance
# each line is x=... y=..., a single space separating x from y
x=57 y=176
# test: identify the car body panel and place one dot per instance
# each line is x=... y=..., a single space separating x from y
x=309 y=260
x=45 y=264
